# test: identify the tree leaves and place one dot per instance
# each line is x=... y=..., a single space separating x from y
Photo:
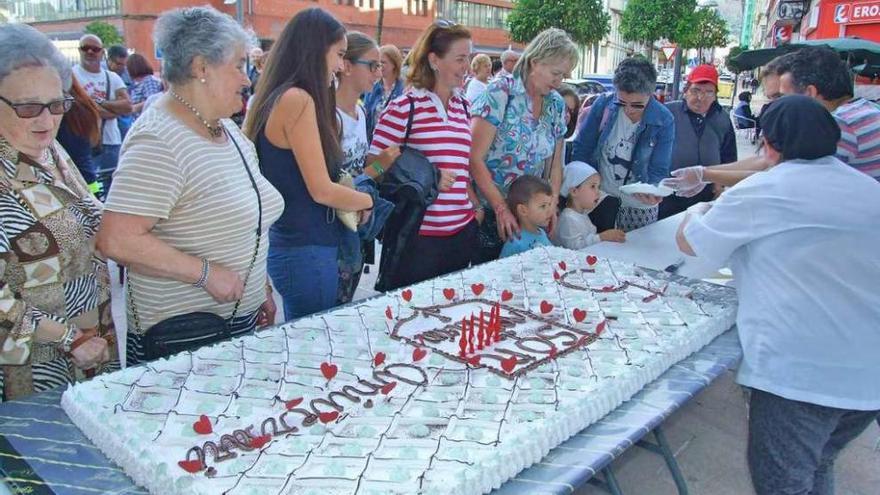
x=105 y=31
x=647 y=21
x=584 y=20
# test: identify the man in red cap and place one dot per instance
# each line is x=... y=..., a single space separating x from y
x=704 y=135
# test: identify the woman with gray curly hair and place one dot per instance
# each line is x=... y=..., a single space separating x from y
x=54 y=290
x=628 y=137
x=518 y=129
x=188 y=210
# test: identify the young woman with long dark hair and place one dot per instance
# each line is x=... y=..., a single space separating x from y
x=292 y=121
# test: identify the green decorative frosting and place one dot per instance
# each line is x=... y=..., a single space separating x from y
x=419 y=430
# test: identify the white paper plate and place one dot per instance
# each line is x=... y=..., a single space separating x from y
x=642 y=188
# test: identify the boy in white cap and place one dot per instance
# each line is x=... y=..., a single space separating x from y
x=580 y=186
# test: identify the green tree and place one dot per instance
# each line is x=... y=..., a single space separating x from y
x=106 y=32
x=584 y=20
x=648 y=21
x=704 y=28
x=728 y=61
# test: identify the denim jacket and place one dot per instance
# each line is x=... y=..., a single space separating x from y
x=374 y=98
x=652 y=155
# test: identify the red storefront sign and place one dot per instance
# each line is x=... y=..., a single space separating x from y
x=857 y=13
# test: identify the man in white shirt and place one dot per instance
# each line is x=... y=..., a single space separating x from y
x=809 y=307
x=108 y=91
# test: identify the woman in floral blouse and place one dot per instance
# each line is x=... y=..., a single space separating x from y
x=518 y=128
x=54 y=290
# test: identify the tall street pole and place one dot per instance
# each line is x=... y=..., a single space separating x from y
x=676 y=73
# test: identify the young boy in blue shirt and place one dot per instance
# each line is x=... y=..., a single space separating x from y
x=531 y=201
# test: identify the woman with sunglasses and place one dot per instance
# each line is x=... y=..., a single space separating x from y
x=629 y=135
x=54 y=289
x=440 y=130
x=361 y=69
x=386 y=89
x=519 y=129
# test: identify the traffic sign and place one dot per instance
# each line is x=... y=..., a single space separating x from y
x=668 y=51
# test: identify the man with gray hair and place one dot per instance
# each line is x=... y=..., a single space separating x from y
x=108 y=91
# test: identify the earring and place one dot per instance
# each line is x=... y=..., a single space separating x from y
x=202 y=80
x=434 y=68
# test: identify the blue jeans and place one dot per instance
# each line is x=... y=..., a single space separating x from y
x=307 y=277
x=793 y=445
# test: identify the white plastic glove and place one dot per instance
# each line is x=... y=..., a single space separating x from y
x=687 y=182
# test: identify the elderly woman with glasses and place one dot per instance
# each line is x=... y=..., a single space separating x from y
x=519 y=129
x=189 y=211
x=54 y=289
x=628 y=136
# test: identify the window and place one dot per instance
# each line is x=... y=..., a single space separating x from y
x=475 y=14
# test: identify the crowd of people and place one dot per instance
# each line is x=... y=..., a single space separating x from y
x=454 y=160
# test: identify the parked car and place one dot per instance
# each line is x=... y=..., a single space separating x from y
x=586 y=87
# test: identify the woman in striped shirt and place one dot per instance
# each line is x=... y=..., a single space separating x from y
x=440 y=130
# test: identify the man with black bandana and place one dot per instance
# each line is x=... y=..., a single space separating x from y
x=808 y=306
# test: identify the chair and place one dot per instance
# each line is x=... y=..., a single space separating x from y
x=747 y=132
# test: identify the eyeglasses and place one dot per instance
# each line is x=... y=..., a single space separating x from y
x=634 y=106
x=372 y=64
x=702 y=93
x=32 y=110
x=91 y=49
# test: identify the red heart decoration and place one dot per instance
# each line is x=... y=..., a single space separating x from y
x=379 y=358
x=649 y=298
x=579 y=315
x=608 y=288
x=474 y=361
x=600 y=328
x=449 y=293
x=563 y=265
x=592 y=260
x=191 y=466
x=388 y=387
x=506 y=296
x=203 y=426
x=556 y=275
x=258 y=442
x=293 y=403
x=329 y=370
x=508 y=364
x=327 y=417
x=419 y=354
x=546 y=307
x=553 y=353
x=388 y=313
x=477 y=289
x=406 y=295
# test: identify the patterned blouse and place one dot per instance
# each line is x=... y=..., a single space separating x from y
x=522 y=143
x=145 y=88
x=50 y=271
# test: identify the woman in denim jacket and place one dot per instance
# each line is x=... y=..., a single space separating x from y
x=629 y=136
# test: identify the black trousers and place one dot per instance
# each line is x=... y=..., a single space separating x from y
x=427 y=257
x=673 y=204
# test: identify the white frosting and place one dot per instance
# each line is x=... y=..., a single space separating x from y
x=141 y=418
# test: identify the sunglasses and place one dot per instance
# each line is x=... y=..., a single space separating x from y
x=32 y=110
x=445 y=23
x=91 y=49
x=372 y=64
x=634 y=106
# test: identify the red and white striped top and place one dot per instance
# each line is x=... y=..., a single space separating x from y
x=444 y=137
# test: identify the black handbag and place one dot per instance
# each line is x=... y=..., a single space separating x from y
x=190 y=331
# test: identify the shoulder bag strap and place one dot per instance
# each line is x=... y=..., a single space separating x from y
x=409 y=120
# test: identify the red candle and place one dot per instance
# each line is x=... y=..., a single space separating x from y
x=497 y=322
x=462 y=343
x=471 y=335
x=481 y=334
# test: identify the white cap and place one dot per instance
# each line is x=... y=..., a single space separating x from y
x=574 y=175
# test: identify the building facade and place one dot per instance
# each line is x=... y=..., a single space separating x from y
x=64 y=20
